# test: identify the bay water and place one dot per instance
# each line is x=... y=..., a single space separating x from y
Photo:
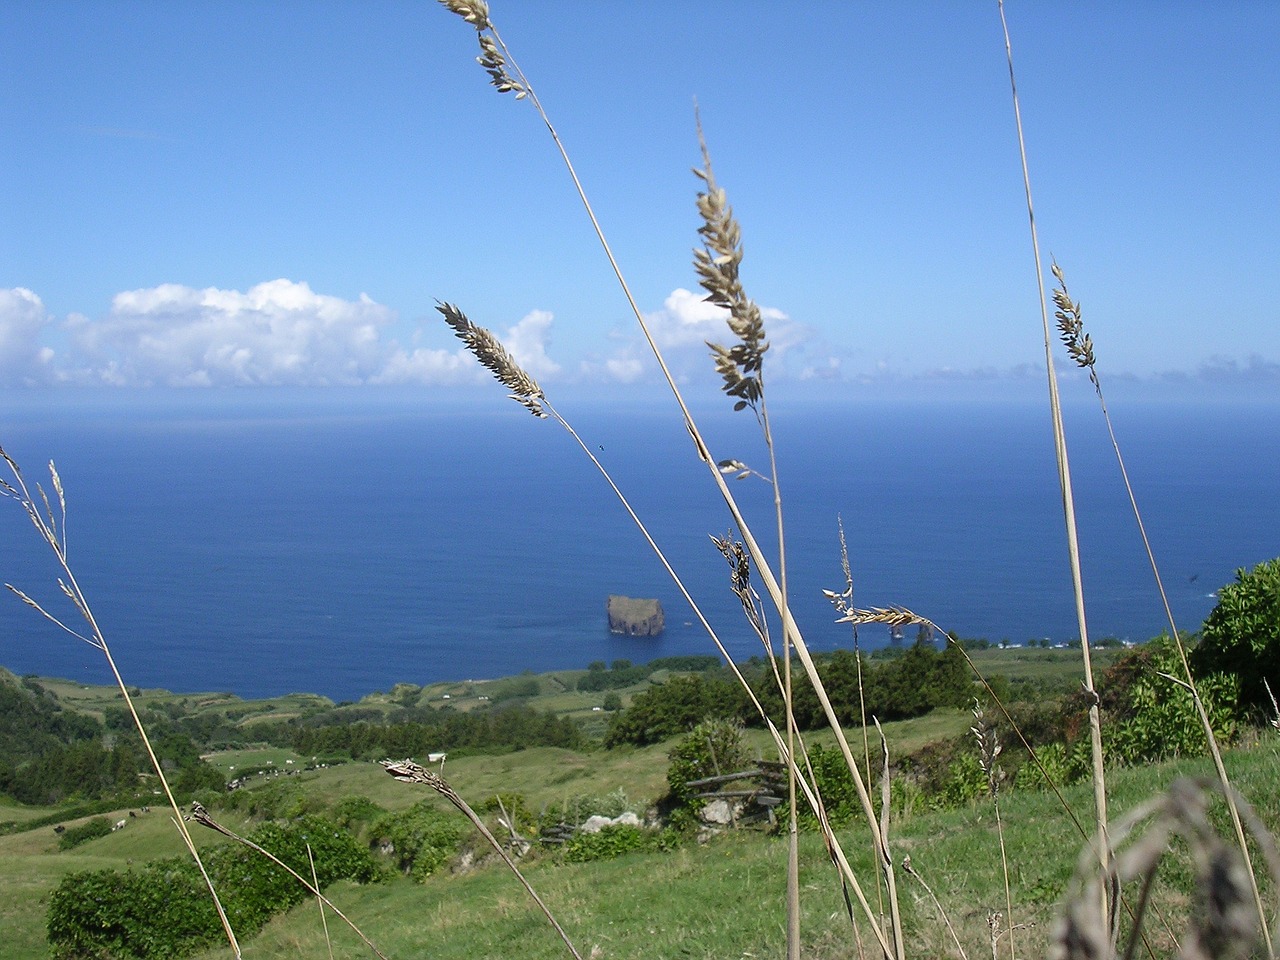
x=339 y=545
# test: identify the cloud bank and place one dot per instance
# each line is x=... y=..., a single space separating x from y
x=282 y=333
x=24 y=360
x=279 y=333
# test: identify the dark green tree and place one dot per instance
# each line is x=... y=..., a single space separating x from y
x=1241 y=636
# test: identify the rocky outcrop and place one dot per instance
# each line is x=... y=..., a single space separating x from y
x=635 y=617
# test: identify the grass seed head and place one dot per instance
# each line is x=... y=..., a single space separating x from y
x=475 y=12
x=717 y=263
x=488 y=349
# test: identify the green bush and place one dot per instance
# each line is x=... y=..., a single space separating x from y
x=163 y=909
x=1150 y=716
x=615 y=840
x=354 y=812
x=667 y=709
x=1241 y=636
x=712 y=748
x=1056 y=762
x=89 y=830
x=423 y=838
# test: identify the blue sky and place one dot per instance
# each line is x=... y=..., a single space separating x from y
x=262 y=193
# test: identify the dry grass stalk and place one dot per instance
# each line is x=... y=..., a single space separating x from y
x=717 y=264
x=1080 y=348
x=1064 y=479
x=55 y=537
x=324 y=921
x=910 y=871
x=741 y=367
x=407 y=771
x=989 y=750
x=842 y=602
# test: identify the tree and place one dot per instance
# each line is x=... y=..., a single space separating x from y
x=1241 y=636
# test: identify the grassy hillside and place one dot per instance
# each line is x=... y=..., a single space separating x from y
x=722 y=898
x=716 y=899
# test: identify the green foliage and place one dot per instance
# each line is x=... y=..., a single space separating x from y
x=423 y=838
x=89 y=830
x=667 y=709
x=1158 y=719
x=712 y=748
x=966 y=782
x=516 y=807
x=352 y=813
x=1241 y=636
x=622 y=674
x=163 y=909
x=49 y=754
x=509 y=728
x=1060 y=764
x=615 y=840
x=910 y=684
x=834 y=784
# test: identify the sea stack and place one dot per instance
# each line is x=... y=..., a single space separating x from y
x=635 y=617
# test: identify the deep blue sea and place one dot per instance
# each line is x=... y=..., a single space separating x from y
x=343 y=545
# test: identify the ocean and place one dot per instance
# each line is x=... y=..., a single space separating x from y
x=339 y=544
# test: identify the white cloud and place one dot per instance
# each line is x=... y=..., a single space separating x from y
x=23 y=361
x=686 y=318
x=279 y=332
x=527 y=342
x=682 y=328
x=424 y=365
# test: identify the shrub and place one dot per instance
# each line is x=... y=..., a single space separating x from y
x=671 y=708
x=352 y=813
x=1241 y=636
x=712 y=748
x=614 y=841
x=163 y=909
x=89 y=830
x=423 y=838
x=1160 y=718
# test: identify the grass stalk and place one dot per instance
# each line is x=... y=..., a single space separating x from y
x=989 y=749
x=1068 y=502
x=496 y=58
x=911 y=871
x=324 y=921
x=1080 y=349
x=55 y=537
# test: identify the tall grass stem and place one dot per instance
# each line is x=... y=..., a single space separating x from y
x=1064 y=479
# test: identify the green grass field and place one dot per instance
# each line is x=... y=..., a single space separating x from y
x=718 y=899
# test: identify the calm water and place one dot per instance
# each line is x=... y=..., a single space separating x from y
x=341 y=550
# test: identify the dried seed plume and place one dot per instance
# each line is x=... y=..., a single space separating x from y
x=717 y=263
x=489 y=351
x=1071 y=328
